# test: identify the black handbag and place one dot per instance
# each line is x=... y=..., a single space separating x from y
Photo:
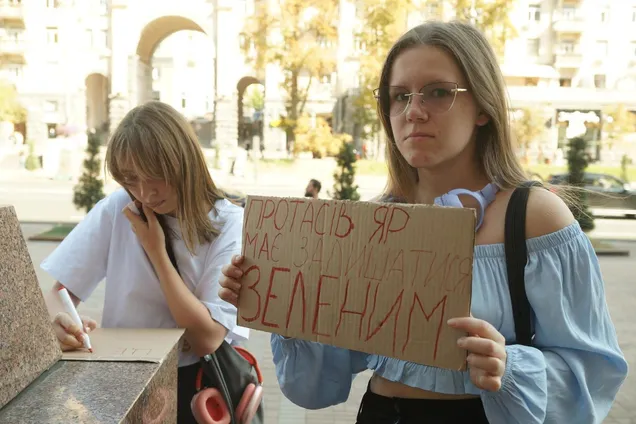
x=231 y=375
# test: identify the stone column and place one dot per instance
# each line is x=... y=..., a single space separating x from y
x=119 y=66
x=228 y=55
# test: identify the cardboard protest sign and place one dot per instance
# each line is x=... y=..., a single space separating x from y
x=375 y=277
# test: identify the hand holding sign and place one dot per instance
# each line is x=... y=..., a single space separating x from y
x=231 y=280
x=487 y=347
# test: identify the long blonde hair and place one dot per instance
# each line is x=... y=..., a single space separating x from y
x=157 y=142
x=478 y=63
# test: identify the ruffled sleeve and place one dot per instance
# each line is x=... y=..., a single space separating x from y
x=314 y=375
x=576 y=367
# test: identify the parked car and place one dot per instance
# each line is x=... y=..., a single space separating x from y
x=607 y=195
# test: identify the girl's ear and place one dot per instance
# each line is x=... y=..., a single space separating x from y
x=482 y=119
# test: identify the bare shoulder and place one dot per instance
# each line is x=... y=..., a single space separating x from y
x=546 y=213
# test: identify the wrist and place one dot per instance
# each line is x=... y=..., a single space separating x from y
x=159 y=258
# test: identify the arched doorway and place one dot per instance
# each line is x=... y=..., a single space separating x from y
x=250 y=108
x=149 y=40
x=97 y=90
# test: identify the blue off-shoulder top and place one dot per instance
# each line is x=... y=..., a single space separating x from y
x=570 y=375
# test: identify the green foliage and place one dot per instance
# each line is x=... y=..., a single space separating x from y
x=382 y=23
x=255 y=97
x=344 y=187
x=300 y=37
x=317 y=139
x=626 y=161
x=527 y=125
x=90 y=188
x=492 y=18
x=10 y=108
x=32 y=162
x=578 y=160
x=618 y=121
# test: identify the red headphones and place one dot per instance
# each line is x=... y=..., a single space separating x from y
x=209 y=407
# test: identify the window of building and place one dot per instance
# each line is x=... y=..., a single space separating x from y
x=568 y=46
x=565 y=82
x=13 y=35
x=531 y=82
x=51 y=106
x=52 y=35
x=599 y=81
x=103 y=7
x=156 y=74
x=53 y=4
x=532 y=46
x=633 y=14
x=604 y=15
x=569 y=12
x=12 y=72
x=534 y=12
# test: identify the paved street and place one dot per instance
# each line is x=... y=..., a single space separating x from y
x=621 y=294
x=40 y=199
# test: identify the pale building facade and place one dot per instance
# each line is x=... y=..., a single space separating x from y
x=81 y=64
x=571 y=58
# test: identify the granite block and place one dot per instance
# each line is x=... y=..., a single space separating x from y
x=158 y=402
x=28 y=345
x=88 y=392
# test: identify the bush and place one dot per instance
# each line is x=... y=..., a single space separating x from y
x=90 y=188
x=32 y=162
x=318 y=140
x=578 y=160
x=626 y=161
x=344 y=187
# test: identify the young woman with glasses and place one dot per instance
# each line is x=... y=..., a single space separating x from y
x=442 y=102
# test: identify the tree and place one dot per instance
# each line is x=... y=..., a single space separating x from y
x=316 y=136
x=626 y=161
x=255 y=97
x=578 y=160
x=492 y=17
x=344 y=187
x=618 y=121
x=32 y=162
x=90 y=188
x=382 y=23
x=527 y=125
x=300 y=37
x=10 y=108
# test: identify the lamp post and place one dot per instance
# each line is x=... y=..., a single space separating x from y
x=215 y=62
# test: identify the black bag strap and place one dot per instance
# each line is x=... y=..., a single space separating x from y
x=516 y=260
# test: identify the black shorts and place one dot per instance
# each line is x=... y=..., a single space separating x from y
x=377 y=409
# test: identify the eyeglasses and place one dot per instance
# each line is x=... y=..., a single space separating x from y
x=438 y=98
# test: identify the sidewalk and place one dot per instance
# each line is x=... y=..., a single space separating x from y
x=621 y=298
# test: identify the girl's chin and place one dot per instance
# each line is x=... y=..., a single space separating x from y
x=422 y=160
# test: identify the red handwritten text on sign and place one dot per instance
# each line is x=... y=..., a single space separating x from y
x=379 y=278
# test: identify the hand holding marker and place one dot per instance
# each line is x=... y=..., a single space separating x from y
x=69 y=308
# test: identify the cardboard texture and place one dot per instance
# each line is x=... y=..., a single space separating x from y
x=128 y=344
x=28 y=345
x=375 y=277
